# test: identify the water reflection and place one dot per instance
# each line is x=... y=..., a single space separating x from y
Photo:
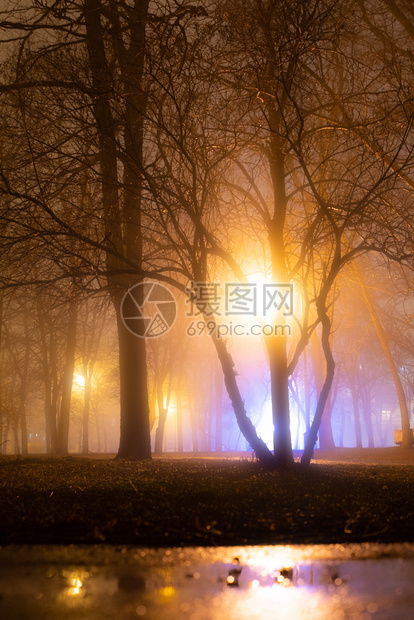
x=210 y=584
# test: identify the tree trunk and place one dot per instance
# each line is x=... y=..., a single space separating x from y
x=209 y=414
x=6 y=438
x=194 y=428
x=366 y=404
x=135 y=440
x=180 y=443
x=246 y=427
x=306 y=388
x=123 y=225
x=219 y=411
x=357 y=417
x=49 y=373
x=159 y=432
x=1 y=368
x=276 y=344
x=342 y=428
x=23 y=429
x=67 y=381
x=16 y=439
x=279 y=383
x=86 y=410
x=382 y=337
x=380 y=430
x=23 y=383
x=326 y=388
x=162 y=412
x=326 y=440
x=105 y=435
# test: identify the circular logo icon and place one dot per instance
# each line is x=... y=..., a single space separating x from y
x=148 y=309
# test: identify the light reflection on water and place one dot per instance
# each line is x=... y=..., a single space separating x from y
x=294 y=583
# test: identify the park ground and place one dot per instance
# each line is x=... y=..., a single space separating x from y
x=346 y=495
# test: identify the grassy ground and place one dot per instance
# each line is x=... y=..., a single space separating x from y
x=206 y=501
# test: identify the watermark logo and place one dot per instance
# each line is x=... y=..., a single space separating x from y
x=148 y=310
x=240 y=299
x=216 y=305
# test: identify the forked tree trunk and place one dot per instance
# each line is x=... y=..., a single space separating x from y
x=246 y=427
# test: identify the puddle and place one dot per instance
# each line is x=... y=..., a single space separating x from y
x=291 y=582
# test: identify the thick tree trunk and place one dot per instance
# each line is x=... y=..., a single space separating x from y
x=67 y=382
x=326 y=439
x=276 y=344
x=123 y=224
x=135 y=431
x=279 y=383
x=1 y=367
